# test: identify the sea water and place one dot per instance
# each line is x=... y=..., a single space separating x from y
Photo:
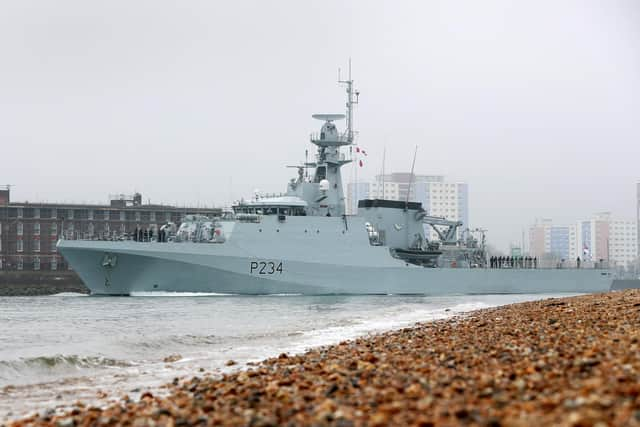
x=59 y=349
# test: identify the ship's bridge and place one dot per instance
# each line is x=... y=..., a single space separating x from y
x=281 y=205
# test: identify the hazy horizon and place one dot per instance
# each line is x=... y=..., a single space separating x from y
x=534 y=104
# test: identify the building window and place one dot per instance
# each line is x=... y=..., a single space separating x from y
x=36 y=263
x=36 y=212
x=138 y=216
x=54 y=263
x=152 y=216
x=36 y=245
x=123 y=228
x=54 y=229
x=20 y=213
x=70 y=214
x=168 y=216
x=91 y=229
x=90 y=214
x=54 y=247
x=36 y=228
x=54 y=213
x=106 y=215
x=19 y=245
x=20 y=266
x=20 y=229
x=106 y=228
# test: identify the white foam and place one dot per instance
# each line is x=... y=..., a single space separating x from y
x=178 y=294
x=382 y=323
x=69 y=294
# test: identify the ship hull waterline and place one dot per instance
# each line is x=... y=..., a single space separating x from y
x=171 y=267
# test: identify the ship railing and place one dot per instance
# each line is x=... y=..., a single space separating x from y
x=109 y=237
x=543 y=265
x=340 y=139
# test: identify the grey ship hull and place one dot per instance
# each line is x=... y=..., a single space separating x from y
x=305 y=255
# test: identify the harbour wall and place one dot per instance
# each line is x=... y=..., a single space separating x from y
x=30 y=283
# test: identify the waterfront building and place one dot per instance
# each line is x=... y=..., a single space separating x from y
x=600 y=238
x=623 y=247
x=551 y=241
x=29 y=231
x=594 y=238
x=438 y=196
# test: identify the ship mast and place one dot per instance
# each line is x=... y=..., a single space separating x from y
x=349 y=132
x=351 y=92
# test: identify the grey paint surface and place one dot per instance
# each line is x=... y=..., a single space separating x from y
x=326 y=259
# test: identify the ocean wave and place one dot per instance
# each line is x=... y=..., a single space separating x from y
x=52 y=365
x=282 y=295
x=183 y=340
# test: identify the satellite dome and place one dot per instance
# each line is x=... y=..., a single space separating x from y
x=324 y=185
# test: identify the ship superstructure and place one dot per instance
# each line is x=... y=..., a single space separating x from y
x=303 y=242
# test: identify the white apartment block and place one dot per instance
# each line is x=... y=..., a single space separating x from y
x=438 y=197
x=623 y=238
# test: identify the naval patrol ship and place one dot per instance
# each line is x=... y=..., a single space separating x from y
x=303 y=242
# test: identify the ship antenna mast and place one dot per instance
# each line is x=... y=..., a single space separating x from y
x=384 y=154
x=352 y=99
x=349 y=132
x=406 y=203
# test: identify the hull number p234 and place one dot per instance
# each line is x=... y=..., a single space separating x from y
x=265 y=267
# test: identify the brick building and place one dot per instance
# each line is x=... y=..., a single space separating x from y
x=29 y=231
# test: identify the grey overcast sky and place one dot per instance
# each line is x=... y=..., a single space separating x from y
x=536 y=104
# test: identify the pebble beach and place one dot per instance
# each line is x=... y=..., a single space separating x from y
x=563 y=361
